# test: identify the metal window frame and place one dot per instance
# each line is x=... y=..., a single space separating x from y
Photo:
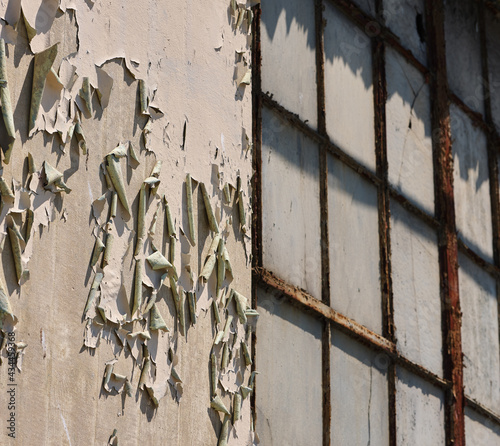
x=443 y=222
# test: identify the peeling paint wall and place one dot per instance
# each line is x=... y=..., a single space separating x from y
x=108 y=100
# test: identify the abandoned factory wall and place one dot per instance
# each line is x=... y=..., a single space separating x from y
x=125 y=222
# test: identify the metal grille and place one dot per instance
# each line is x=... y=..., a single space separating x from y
x=443 y=222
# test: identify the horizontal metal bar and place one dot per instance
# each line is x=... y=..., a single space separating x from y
x=477 y=259
x=296 y=296
x=427 y=218
x=476 y=118
x=482 y=410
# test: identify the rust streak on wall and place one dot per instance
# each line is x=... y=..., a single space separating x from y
x=445 y=212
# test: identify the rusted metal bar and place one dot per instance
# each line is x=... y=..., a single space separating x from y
x=323 y=192
x=445 y=212
x=267 y=280
x=257 y=177
x=380 y=95
x=484 y=411
x=382 y=169
x=300 y=298
x=374 y=27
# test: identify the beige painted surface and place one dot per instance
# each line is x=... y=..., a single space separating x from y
x=186 y=53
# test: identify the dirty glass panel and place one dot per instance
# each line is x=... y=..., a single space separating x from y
x=493 y=49
x=480 y=431
x=471 y=183
x=348 y=87
x=480 y=334
x=415 y=282
x=463 y=52
x=359 y=394
x=409 y=133
x=290 y=205
x=406 y=19
x=354 y=246
x=288 y=36
x=289 y=397
x=419 y=411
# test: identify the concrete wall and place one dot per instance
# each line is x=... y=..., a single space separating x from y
x=191 y=57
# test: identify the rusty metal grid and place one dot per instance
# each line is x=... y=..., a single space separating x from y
x=443 y=222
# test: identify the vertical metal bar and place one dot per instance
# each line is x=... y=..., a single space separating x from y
x=382 y=166
x=257 y=177
x=323 y=188
x=493 y=143
x=445 y=212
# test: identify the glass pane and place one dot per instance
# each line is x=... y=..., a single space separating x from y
x=288 y=36
x=354 y=246
x=290 y=205
x=480 y=431
x=493 y=48
x=289 y=405
x=415 y=281
x=406 y=19
x=419 y=411
x=409 y=138
x=472 y=184
x=463 y=52
x=348 y=85
x=359 y=394
x=480 y=334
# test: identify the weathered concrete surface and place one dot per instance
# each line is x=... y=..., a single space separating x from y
x=348 y=87
x=480 y=334
x=462 y=38
x=290 y=205
x=359 y=393
x=289 y=405
x=189 y=58
x=406 y=19
x=471 y=184
x=419 y=411
x=415 y=281
x=354 y=259
x=409 y=143
x=288 y=36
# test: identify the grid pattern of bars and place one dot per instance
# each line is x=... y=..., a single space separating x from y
x=440 y=221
